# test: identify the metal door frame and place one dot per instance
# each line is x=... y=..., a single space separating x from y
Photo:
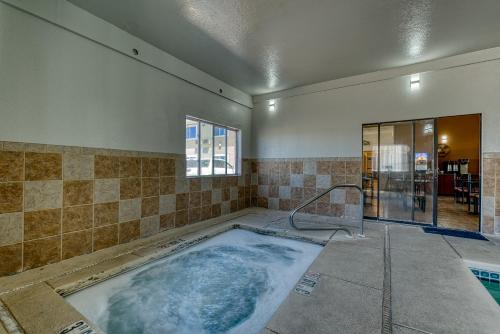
x=412 y=163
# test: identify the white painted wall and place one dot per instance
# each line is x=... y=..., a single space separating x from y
x=59 y=88
x=328 y=123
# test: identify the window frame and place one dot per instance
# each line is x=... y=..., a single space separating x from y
x=237 y=167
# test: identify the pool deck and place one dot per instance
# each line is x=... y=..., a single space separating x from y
x=398 y=279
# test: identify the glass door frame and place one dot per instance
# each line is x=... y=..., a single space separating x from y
x=412 y=163
x=435 y=170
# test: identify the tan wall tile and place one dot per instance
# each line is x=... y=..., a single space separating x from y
x=40 y=195
x=150 y=167
x=150 y=226
x=77 y=218
x=226 y=194
x=353 y=167
x=11 y=166
x=182 y=201
x=105 y=237
x=181 y=218
x=216 y=183
x=167 y=185
x=106 y=190
x=309 y=181
x=129 y=231
x=78 y=166
x=167 y=167
x=206 y=197
x=78 y=192
x=338 y=179
x=488 y=186
x=76 y=243
x=323 y=167
x=216 y=211
x=106 y=167
x=11 y=197
x=284 y=204
x=195 y=199
x=206 y=212
x=130 y=188
x=150 y=206
x=43 y=166
x=194 y=215
x=12 y=260
x=106 y=213
x=41 y=252
x=167 y=221
x=488 y=225
x=194 y=184
x=41 y=224
x=150 y=186
x=488 y=167
x=130 y=209
x=11 y=228
x=338 y=210
x=297 y=167
x=234 y=205
x=130 y=167
x=353 y=179
x=338 y=167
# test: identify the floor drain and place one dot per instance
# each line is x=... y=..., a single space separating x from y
x=307 y=283
x=386 y=297
x=79 y=327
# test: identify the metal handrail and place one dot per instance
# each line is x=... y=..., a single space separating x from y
x=306 y=203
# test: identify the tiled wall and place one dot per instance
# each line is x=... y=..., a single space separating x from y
x=285 y=183
x=490 y=205
x=58 y=202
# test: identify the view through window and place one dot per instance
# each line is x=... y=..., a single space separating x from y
x=211 y=149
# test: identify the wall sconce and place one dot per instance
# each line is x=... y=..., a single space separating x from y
x=272 y=106
x=415 y=81
x=444 y=139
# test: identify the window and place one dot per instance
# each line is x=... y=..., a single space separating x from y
x=211 y=149
x=219 y=132
x=191 y=132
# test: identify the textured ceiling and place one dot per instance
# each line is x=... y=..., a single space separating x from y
x=262 y=46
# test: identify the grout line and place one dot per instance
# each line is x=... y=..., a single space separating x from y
x=452 y=247
x=352 y=282
x=413 y=328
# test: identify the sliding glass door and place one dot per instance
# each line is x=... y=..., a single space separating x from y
x=395 y=171
x=398 y=171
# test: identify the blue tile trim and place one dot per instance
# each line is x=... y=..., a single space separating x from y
x=485 y=274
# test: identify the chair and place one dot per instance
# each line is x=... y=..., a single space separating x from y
x=474 y=194
x=461 y=188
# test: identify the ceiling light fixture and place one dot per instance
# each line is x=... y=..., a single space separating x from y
x=415 y=81
x=272 y=106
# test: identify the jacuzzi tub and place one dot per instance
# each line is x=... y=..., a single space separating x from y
x=231 y=283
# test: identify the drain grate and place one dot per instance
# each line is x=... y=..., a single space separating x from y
x=307 y=283
x=386 y=297
x=79 y=327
